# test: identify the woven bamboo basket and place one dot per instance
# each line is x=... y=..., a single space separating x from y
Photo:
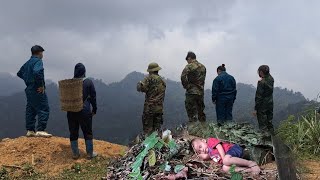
x=71 y=95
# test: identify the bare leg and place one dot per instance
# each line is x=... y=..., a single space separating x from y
x=238 y=169
x=229 y=160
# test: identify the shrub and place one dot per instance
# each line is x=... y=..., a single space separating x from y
x=302 y=135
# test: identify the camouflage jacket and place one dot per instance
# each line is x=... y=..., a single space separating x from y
x=193 y=77
x=264 y=94
x=154 y=87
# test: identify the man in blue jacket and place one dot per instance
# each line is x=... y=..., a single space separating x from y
x=32 y=73
x=224 y=93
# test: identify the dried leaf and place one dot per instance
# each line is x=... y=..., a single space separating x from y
x=152 y=158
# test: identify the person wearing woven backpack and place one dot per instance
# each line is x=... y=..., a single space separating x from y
x=84 y=117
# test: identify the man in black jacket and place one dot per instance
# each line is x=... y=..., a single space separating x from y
x=84 y=117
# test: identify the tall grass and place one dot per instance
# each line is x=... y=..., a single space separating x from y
x=302 y=135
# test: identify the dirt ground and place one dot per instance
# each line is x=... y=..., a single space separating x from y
x=313 y=170
x=50 y=155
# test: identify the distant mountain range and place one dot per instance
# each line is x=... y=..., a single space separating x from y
x=120 y=107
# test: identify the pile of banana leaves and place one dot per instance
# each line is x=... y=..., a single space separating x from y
x=167 y=158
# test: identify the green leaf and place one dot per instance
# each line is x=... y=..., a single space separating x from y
x=178 y=168
x=134 y=174
x=150 y=138
x=137 y=164
x=236 y=176
x=139 y=177
x=165 y=167
x=232 y=169
x=168 y=168
x=159 y=145
x=152 y=158
x=172 y=144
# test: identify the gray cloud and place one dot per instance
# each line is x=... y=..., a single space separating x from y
x=113 y=38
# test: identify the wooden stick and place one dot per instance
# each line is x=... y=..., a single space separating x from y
x=12 y=166
x=32 y=160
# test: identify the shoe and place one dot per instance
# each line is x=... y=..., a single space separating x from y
x=75 y=150
x=89 y=149
x=75 y=156
x=93 y=155
x=31 y=134
x=43 y=134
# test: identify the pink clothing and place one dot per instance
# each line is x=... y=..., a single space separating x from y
x=213 y=151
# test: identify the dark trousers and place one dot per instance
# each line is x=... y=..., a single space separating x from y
x=195 y=107
x=37 y=105
x=79 y=119
x=265 y=117
x=224 y=110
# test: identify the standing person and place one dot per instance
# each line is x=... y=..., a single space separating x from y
x=193 y=78
x=264 y=100
x=84 y=117
x=32 y=73
x=154 y=87
x=224 y=92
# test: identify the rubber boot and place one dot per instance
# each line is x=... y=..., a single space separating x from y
x=75 y=149
x=89 y=149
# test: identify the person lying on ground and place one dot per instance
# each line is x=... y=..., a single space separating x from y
x=223 y=153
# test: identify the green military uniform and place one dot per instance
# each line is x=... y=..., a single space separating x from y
x=193 y=79
x=264 y=103
x=154 y=87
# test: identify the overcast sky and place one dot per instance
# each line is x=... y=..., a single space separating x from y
x=115 y=37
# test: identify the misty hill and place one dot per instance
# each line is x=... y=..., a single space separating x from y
x=10 y=84
x=120 y=108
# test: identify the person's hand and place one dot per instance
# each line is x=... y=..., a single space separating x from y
x=214 y=102
x=93 y=113
x=40 y=90
x=254 y=113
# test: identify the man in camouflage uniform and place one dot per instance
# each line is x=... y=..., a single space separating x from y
x=154 y=87
x=264 y=100
x=193 y=78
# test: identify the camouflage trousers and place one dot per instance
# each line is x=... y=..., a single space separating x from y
x=151 y=122
x=265 y=120
x=195 y=107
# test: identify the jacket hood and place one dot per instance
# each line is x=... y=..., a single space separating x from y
x=79 y=71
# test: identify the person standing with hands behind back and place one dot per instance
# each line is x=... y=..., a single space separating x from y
x=224 y=92
x=84 y=117
x=193 y=79
x=264 y=100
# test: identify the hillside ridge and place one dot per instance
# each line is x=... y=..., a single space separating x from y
x=49 y=156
